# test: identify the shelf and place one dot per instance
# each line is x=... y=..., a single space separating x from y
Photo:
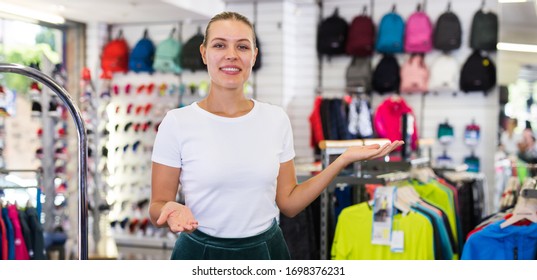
x=144 y=241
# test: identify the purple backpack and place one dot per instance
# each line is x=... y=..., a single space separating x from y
x=418 y=33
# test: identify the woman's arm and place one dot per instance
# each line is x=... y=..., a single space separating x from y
x=292 y=198
x=163 y=209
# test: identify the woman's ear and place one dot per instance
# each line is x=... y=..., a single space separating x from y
x=203 y=54
x=255 y=56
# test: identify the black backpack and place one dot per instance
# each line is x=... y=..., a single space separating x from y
x=447 y=32
x=332 y=35
x=190 y=55
x=358 y=74
x=386 y=77
x=478 y=73
x=484 y=32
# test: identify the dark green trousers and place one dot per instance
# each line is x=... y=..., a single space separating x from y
x=269 y=245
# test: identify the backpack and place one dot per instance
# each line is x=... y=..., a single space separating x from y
x=115 y=56
x=142 y=55
x=190 y=56
x=258 y=60
x=391 y=34
x=358 y=74
x=444 y=74
x=478 y=73
x=361 y=36
x=418 y=33
x=332 y=35
x=448 y=32
x=414 y=75
x=386 y=75
x=167 y=55
x=484 y=32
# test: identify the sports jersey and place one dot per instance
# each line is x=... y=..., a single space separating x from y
x=229 y=166
x=352 y=238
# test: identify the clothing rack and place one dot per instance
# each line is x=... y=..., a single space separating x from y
x=362 y=173
x=65 y=97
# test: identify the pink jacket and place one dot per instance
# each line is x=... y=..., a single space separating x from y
x=21 y=251
x=388 y=120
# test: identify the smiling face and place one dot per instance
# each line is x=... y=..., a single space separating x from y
x=229 y=53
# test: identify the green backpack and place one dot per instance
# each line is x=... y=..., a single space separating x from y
x=167 y=55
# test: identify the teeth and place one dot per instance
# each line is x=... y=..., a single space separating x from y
x=230 y=69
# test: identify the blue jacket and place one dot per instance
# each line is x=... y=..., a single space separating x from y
x=494 y=243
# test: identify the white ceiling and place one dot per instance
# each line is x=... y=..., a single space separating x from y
x=121 y=11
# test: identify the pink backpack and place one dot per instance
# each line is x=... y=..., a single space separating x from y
x=418 y=33
x=414 y=75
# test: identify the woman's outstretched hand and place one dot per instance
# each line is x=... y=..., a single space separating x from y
x=178 y=216
x=357 y=153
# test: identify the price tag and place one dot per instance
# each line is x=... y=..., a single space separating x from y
x=397 y=244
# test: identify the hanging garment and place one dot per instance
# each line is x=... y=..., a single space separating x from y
x=494 y=243
x=352 y=239
x=360 y=124
x=10 y=235
x=21 y=252
x=316 y=126
x=37 y=237
x=3 y=237
x=388 y=120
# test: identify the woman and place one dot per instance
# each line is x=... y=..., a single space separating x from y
x=233 y=157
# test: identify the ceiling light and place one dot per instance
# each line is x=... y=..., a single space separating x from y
x=516 y=47
x=31 y=14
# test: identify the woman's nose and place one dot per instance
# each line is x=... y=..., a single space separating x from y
x=231 y=54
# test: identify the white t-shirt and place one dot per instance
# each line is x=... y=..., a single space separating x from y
x=228 y=166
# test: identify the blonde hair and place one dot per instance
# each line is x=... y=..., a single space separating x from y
x=229 y=16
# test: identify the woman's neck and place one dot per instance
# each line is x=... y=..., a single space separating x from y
x=227 y=104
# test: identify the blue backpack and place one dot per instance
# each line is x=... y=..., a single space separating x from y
x=390 y=37
x=142 y=55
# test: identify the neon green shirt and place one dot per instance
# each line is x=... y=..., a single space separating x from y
x=352 y=239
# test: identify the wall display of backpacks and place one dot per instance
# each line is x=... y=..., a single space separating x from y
x=115 y=56
x=332 y=35
x=168 y=55
x=484 y=31
x=386 y=76
x=391 y=32
x=143 y=54
x=190 y=56
x=444 y=74
x=361 y=36
x=359 y=74
x=414 y=75
x=418 y=32
x=447 y=31
x=478 y=73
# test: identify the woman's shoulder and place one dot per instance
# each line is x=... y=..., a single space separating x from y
x=270 y=108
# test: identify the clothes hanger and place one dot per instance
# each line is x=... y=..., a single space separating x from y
x=525 y=208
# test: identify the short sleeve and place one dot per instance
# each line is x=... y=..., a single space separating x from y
x=167 y=147
x=288 y=151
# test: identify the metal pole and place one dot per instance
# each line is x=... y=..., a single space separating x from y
x=82 y=146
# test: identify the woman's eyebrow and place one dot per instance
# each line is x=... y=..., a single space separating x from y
x=223 y=39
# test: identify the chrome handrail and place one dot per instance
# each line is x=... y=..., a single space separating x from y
x=82 y=146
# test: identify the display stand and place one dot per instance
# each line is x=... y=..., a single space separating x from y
x=82 y=146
